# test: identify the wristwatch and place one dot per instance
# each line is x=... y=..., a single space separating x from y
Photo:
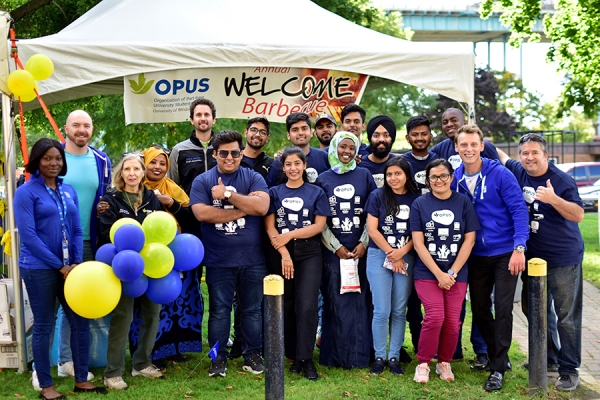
x=451 y=272
x=520 y=249
x=227 y=194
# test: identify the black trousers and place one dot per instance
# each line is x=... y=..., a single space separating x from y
x=300 y=297
x=485 y=273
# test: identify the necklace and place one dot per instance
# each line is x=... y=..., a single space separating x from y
x=128 y=197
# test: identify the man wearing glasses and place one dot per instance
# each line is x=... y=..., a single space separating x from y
x=257 y=135
x=555 y=209
x=230 y=201
x=193 y=156
x=498 y=255
x=299 y=133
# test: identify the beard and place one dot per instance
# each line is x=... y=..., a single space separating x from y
x=325 y=142
x=379 y=152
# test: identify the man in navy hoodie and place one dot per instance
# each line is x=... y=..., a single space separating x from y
x=499 y=252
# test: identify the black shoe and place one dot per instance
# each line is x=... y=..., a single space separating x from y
x=178 y=358
x=254 y=364
x=160 y=364
x=218 y=367
x=99 y=390
x=296 y=367
x=494 y=381
x=404 y=357
x=394 y=367
x=310 y=372
x=236 y=349
x=378 y=366
x=458 y=357
x=481 y=363
x=553 y=367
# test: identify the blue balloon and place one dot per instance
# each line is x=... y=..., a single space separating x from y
x=136 y=288
x=166 y=289
x=128 y=265
x=129 y=237
x=188 y=251
x=106 y=253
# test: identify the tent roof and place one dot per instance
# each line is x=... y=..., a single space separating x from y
x=117 y=38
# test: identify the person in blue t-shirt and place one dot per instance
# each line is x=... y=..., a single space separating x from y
x=390 y=261
x=443 y=225
x=418 y=135
x=381 y=132
x=354 y=119
x=229 y=201
x=346 y=335
x=299 y=133
x=294 y=223
x=452 y=120
x=555 y=209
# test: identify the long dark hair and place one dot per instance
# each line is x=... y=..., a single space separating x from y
x=37 y=152
x=290 y=151
x=392 y=207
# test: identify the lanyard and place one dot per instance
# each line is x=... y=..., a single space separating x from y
x=61 y=205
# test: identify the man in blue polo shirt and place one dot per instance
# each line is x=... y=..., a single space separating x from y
x=555 y=209
x=229 y=201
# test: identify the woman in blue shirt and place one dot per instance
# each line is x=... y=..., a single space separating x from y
x=294 y=222
x=51 y=246
x=346 y=331
x=390 y=260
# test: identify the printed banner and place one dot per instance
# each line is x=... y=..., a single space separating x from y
x=241 y=92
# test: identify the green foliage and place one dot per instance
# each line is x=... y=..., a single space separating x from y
x=574 y=30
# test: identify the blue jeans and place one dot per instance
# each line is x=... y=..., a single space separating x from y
x=223 y=283
x=390 y=293
x=44 y=286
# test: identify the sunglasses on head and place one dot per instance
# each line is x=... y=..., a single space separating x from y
x=158 y=146
x=532 y=137
x=133 y=153
x=225 y=153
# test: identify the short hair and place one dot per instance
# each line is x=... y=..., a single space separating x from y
x=419 y=120
x=227 y=136
x=203 y=101
x=291 y=151
x=296 y=117
x=471 y=128
x=262 y=120
x=533 y=137
x=37 y=152
x=352 y=107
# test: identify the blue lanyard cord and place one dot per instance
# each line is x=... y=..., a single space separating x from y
x=61 y=205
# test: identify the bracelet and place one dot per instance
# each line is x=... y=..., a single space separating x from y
x=286 y=259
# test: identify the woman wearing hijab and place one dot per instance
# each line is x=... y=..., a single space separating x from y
x=346 y=333
x=180 y=326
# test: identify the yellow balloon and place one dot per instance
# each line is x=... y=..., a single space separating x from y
x=20 y=82
x=31 y=96
x=158 y=260
x=92 y=290
x=40 y=66
x=119 y=223
x=159 y=227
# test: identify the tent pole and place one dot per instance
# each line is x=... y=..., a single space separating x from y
x=10 y=166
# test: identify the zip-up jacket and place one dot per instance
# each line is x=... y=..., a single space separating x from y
x=500 y=206
x=190 y=159
x=262 y=163
x=104 y=171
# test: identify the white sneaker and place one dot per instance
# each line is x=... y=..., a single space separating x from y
x=35 y=382
x=116 y=383
x=422 y=373
x=444 y=370
x=68 y=369
x=151 y=371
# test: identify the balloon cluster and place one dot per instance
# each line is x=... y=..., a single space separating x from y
x=22 y=82
x=142 y=258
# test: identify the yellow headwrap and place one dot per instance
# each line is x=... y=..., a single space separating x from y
x=165 y=185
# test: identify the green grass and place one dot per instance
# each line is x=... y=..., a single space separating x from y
x=591 y=259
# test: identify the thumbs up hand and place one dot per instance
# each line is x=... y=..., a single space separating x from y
x=545 y=194
x=218 y=191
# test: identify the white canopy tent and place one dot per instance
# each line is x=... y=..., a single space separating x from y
x=124 y=37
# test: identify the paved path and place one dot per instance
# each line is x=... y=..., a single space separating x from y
x=589 y=371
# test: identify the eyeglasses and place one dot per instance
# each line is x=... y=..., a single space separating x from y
x=158 y=146
x=532 y=137
x=132 y=153
x=442 y=177
x=262 y=132
x=225 y=153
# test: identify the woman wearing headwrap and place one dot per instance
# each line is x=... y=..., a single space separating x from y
x=180 y=327
x=346 y=339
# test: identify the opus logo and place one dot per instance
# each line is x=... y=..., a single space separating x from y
x=165 y=86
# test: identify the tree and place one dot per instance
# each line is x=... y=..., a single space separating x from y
x=574 y=30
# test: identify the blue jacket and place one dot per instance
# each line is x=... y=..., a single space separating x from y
x=38 y=221
x=104 y=171
x=500 y=206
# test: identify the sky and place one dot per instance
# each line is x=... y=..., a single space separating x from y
x=538 y=75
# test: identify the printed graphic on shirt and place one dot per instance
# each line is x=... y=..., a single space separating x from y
x=312 y=174
x=231 y=227
x=379 y=178
x=455 y=161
